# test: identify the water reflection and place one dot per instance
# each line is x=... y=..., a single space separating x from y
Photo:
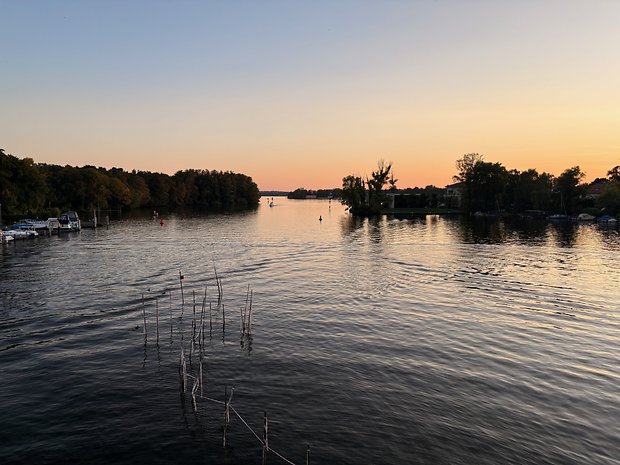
x=349 y=225
x=473 y=230
x=440 y=329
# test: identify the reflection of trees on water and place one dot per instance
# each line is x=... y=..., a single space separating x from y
x=564 y=234
x=373 y=228
x=350 y=225
x=376 y=228
x=480 y=230
x=467 y=229
x=515 y=229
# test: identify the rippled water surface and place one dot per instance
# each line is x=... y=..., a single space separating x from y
x=419 y=341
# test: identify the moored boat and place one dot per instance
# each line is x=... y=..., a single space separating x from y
x=70 y=221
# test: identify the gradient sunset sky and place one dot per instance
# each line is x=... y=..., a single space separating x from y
x=302 y=93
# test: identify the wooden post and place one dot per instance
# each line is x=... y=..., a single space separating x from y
x=308 y=455
x=225 y=414
x=170 y=295
x=250 y=316
x=157 y=316
x=181 y=277
x=201 y=383
x=194 y=318
x=194 y=390
x=265 y=438
x=266 y=430
x=144 y=315
x=182 y=369
x=201 y=332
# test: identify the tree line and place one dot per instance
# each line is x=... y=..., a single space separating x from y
x=38 y=189
x=302 y=193
x=486 y=186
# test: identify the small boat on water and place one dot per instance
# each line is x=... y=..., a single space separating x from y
x=69 y=221
x=20 y=233
x=4 y=238
x=585 y=217
x=32 y=225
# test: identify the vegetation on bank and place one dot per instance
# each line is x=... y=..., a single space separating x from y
x=367 y=196
x=302 y=193
x=36 y=189
x=487 y=187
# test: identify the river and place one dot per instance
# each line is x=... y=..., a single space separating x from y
x=419 y=341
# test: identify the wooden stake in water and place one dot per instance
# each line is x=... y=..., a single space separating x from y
x=266 y=430
x=144 y=315
x=170 y=295
x=201 y=331
x=219 y=286
x=194 y=318
x=157 y=317
x=181 y=278
x=182 y=369
x=225 y=414
x=201 y=382
x=249 y=325
x=241 y=325
x=308 y=455
x=194 y=390
x=265 y=437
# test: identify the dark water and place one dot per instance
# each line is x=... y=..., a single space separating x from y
x=418 y=341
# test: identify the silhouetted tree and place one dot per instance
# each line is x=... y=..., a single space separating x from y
x=353 y=193
x=483 y=183
x=614 y=173
x=569 y=190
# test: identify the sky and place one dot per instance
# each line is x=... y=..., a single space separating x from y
x=302 y=93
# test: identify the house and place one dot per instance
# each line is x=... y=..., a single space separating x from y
x=595 y=188
x=453 y=195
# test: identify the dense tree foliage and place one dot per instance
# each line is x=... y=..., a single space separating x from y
x=367 y=197
x=420 y=197
x=570 y=190
x=303 y=193
x=484 y=183
x=31 y=189
x=489 y=186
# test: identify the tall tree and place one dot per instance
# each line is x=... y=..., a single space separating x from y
x=353 y=193
x=569 y=190
x=614 y=173
x=377 y=181
x=483 y=183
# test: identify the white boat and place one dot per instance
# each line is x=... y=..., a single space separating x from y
x=585 y=217
x=32 y=225
x=4 y=238
x=21 y=233
x=70 y=221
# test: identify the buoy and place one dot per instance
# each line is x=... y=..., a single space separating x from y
x=320 y=218
x=161 y=222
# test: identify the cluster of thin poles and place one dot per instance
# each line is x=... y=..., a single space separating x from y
x=197 y=345
x=197 y=393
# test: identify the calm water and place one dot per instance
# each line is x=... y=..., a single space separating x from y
x=417 y=341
